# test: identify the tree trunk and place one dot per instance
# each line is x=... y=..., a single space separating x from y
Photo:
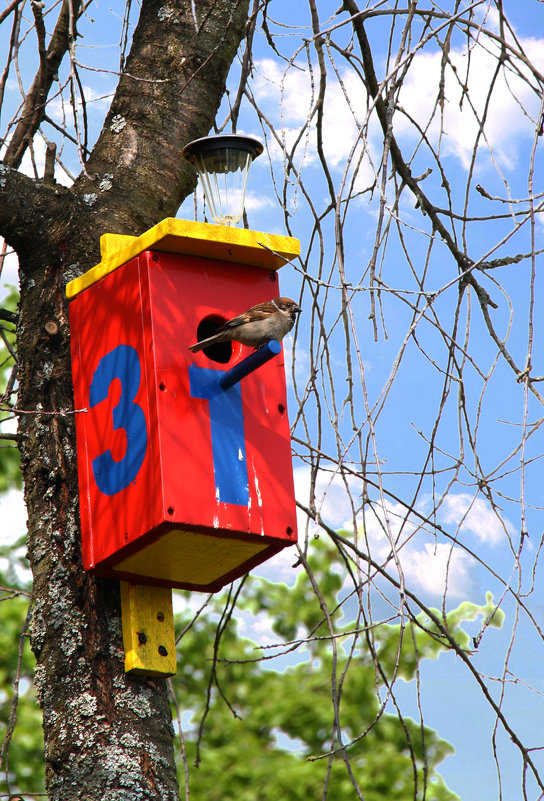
x=106 y=736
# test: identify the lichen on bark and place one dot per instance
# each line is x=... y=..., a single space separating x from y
x=106 y=735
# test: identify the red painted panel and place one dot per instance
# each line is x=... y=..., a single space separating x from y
x=109 y=314
x=162 y=445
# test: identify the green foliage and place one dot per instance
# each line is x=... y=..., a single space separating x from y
x=23 y=770
x=427 y=640
x=10 y=467
x=21 y=739
x=269 y=734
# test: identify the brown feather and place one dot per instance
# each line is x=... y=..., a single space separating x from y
x=251 y=333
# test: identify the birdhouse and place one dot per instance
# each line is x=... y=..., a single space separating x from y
x=183 y=483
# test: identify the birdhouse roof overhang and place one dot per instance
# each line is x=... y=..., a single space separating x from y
x=225 y=243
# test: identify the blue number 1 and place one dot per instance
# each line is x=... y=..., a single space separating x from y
x=123 y=363
x=227 y=433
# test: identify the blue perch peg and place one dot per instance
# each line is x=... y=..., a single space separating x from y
x=251 y=363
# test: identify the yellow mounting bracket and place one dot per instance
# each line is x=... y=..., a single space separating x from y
x=148 y=630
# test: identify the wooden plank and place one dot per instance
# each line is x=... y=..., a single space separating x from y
x=148 y=630
x=238 y=245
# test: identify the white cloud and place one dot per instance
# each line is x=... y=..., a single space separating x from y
x=61 y=110
x=280 y=567
x=255 y=202
x=436 y=566
x=293 y=87
x=37 y=158
x=472 y=516
x=256 y=627
x=510 y=115
x=508 y=112
x=33 y=163
x=10 y=271
x=332 y=496
x=429 y=565
x=293 y=94
x=13 y=516
x=426 y=564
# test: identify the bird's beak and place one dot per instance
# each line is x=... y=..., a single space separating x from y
x=297 y=309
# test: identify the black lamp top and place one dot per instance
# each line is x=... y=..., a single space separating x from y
x=211 y=144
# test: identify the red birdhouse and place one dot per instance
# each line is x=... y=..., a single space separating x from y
x=182 y=483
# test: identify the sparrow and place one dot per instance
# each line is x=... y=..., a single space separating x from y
x=272 y=319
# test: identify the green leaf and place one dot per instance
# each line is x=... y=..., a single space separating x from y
x=10 y=465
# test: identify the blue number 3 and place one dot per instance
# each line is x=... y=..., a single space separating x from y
x=123 y=363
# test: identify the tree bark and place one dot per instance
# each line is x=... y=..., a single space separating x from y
x=106 y=736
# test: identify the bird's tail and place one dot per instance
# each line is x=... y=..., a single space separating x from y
x=203 y=344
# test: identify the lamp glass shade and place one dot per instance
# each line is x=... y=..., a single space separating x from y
x=222 y=163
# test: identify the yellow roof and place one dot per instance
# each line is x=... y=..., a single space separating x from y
x=239 y=245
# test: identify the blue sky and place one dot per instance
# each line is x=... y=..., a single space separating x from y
x=396 y=418
x=495 y=402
